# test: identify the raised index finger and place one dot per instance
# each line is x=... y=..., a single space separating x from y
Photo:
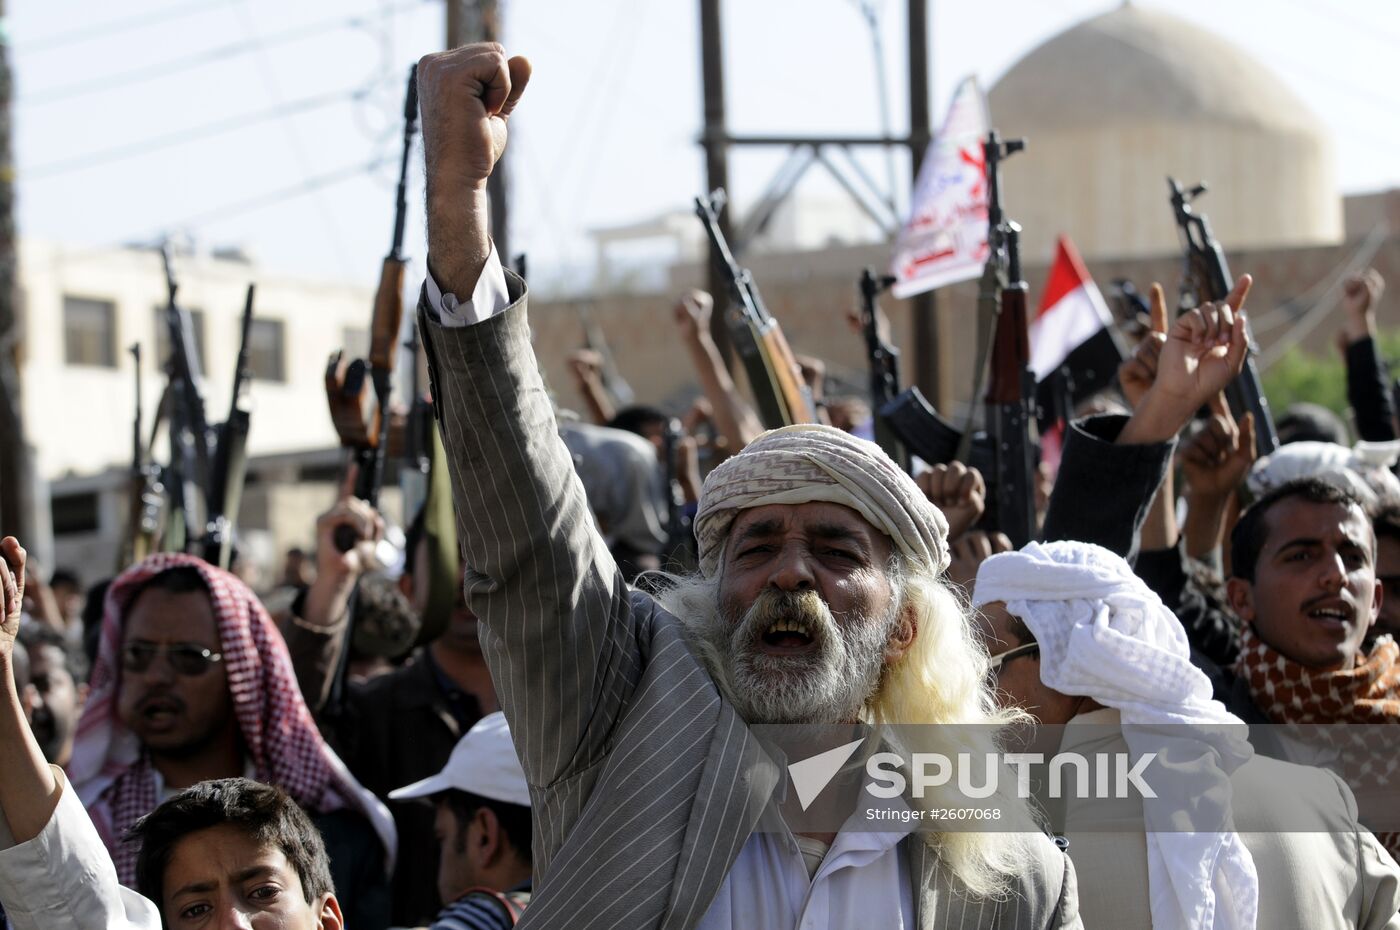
x=1239 y=292
x=1158 y=300
x=347 y=483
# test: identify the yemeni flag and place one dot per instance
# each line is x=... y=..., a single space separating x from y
x=1075 y=349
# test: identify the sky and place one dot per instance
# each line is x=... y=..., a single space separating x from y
x=275 y=125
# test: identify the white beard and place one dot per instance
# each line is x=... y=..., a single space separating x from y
x=831 y=685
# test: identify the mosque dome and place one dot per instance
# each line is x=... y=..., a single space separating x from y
x=1112 y=106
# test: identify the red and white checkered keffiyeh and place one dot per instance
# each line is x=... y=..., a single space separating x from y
x=113 y=776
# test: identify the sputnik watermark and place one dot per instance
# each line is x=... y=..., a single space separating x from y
x=1102 y=775
x=934 y=770
x=1096 y=776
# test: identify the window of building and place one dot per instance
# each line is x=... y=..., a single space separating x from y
x=163 y=335
x=266 y=350
x=89 y=332
x=74 y=513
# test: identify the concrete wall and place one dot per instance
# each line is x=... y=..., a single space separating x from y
x=810 y=293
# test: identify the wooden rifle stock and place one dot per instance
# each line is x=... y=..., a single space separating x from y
x=781 y=397
x=388 y=315
x=787 y=375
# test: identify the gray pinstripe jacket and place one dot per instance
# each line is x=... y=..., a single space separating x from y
x=645 y=783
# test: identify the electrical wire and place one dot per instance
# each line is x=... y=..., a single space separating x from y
x=117 y=26
x=1303 y=328
x=192 y=134
x=298 y=148
x=248 y=205
x=207 y=56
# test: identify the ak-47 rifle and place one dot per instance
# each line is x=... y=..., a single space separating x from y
x=1010 y=405
x=1206 y=277
x=346 y=381
x=230 y=466
x=1010 y=382
x=884 y=364
x=1005 y=453
x=781 y=396
x=146 y=495
x=190 y=438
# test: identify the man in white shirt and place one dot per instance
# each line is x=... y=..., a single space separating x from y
x=231 y=852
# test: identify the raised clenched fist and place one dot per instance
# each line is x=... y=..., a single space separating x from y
x=465 y=98
x=959 y=491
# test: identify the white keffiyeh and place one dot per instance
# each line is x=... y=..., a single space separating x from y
x=1104 y=634
x=1364 y=469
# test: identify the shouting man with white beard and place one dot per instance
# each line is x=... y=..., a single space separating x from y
x=820 y=599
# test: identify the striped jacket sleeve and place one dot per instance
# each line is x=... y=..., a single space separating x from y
x=556 y=625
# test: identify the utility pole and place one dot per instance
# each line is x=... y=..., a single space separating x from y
x=16 y=482
x=716 y=144
x=932 y=341
x=480 y=21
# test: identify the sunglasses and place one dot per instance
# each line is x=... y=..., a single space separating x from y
x=184 y=658
x=1001 y=659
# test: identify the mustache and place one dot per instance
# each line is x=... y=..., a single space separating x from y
x=772 y=606
x=160 y=698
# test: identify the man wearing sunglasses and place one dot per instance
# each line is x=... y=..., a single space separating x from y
x=1085 y=647
x=193 y=683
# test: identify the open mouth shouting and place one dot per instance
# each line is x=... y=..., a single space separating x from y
x=788 y=636
x=1331 y=613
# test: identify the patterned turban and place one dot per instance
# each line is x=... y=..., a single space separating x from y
x=802 y=464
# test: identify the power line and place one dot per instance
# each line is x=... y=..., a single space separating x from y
x=332 y=229
x=206 y=57
x=116 y=26
x=301 y=189
x=183 y=136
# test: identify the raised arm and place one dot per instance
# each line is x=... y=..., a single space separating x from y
x=28 y=791
x=1199 y=354
x=735 y=419
x=556 y=623
x=1368 y=378
x=55 y=873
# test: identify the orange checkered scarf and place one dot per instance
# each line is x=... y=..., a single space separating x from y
x=1368 y=692
x=1288 y=692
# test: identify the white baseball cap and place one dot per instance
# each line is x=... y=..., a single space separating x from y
x=482 y=763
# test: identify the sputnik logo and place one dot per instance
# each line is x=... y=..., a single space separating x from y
x=813 y=774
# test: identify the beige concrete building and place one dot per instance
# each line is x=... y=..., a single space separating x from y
x=1117 y=103
x=83 y=307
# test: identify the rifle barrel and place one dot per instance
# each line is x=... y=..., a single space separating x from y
x=410 y=120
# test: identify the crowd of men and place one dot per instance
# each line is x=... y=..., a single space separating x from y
x=573 y=743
